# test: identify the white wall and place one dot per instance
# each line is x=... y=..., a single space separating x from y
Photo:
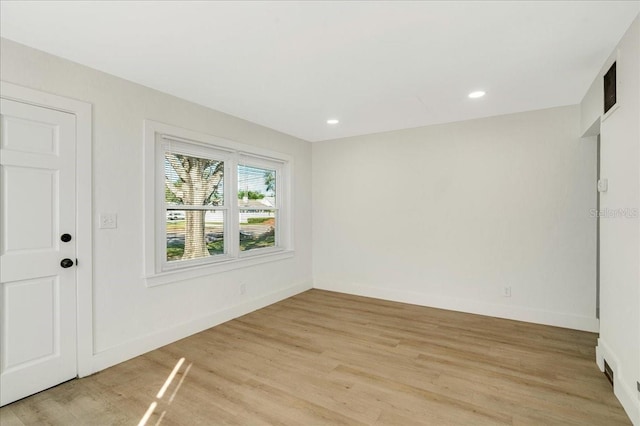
x=619 y=341
x=130 y=318
x=448 y=215
x=442 y=216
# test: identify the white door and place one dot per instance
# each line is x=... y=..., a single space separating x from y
x=37 y=259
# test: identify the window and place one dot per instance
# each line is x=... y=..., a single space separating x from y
x=194 y=204
x=610 y=88
x=257 y=202
x=211 y=204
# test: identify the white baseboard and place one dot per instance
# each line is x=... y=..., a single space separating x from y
x=133 y=348
x=517 y=313
x=624 y=392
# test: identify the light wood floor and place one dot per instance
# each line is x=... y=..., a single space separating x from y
x=328 y=358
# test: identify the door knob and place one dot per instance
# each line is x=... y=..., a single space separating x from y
x=65 y=238
x=66 y=263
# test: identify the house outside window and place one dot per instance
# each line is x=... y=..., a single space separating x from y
x=258 y=206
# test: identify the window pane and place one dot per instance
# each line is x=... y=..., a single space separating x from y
x=257 y=229
x=256 y=187
x=194 y=234
x=193 y=181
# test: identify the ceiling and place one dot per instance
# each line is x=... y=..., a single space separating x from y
x=375 y=66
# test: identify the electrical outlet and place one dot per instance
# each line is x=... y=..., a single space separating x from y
x=243 y=288
x=603 y=185
x=108 y=220
x=506 y=291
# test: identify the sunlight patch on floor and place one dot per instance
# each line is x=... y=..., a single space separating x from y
x=152 y=407
x=150 y=410
x=167 y=382
x=186 y=371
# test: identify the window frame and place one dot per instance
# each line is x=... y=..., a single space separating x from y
x=157 y=136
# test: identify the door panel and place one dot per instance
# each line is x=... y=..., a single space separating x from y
x=37 y=206
x=34 y=339
x=28 y=230
x=33 y=136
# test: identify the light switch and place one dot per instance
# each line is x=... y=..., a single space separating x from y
x=108 y=220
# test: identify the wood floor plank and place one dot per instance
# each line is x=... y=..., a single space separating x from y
x=8 y=418
x=329 y=358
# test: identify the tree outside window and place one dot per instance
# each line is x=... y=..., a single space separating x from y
x=211 y=204
x=196 y=211
x=193 y=198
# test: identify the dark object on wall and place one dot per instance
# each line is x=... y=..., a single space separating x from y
x=610 y=88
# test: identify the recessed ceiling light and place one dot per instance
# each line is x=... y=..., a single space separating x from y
x=333 y=121
x=476 y=94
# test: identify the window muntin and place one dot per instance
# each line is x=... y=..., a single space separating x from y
x=258 y=207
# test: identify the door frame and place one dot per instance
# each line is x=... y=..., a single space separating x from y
x=598 y=145
x=84 y=210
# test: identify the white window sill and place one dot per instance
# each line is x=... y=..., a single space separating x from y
x=170 y=277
